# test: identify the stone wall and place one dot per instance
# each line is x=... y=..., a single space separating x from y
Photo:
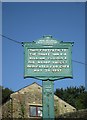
x=78 y=114
x=0 y=112
x=7 y=110
x=18 y=106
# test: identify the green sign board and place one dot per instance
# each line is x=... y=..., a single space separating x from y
x=48 y=58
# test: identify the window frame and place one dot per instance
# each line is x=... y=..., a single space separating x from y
x=36 y=109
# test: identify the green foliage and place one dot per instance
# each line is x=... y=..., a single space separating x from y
x=22 y=110
x=75 y=96
x=5 y=94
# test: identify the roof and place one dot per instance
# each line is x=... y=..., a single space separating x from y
x=37 y=89
x=28 y=88
x=34 y=83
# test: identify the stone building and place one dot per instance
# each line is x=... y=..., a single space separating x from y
x=27 y=103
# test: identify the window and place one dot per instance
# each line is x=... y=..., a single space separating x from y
x=35 y=111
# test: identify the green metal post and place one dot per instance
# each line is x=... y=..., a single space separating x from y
x=48 y=99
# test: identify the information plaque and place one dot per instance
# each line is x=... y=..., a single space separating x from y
x=48 y=58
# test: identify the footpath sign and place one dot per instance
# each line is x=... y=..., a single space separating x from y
x=48 y=59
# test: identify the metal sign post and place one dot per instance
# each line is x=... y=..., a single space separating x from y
x=48 y=59
x=48 y=99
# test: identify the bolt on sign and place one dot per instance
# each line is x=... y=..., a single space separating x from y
x=48 y=58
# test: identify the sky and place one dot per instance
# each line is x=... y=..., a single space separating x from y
x=27 y=22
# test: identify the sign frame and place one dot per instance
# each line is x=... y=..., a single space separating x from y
x=47 y=42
